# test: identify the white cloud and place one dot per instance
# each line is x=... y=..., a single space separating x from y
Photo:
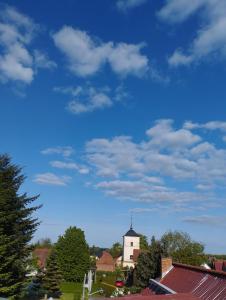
x=64 y=151
x=163 y=135
x=206 y=220
x=88 y=98
x=86 y=55
x=139 y=191
x=210 y=40
x=17 y=61
x=42 y=61
x=124 y=5
x=213 y=125
x=178 y=11
x=16 y=32
x=51 y=179
x=96 y=101
x=150 y=170
x=69 y=166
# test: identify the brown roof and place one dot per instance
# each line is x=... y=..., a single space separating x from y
x=161 y=297
x=106 y=259
x=42 y=255
x=200 y=282
x=106 y=262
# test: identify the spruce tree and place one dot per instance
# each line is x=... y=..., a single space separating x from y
x=53 y=276
x=16 y=229
x=73 y=254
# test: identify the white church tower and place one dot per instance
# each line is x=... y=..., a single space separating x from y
x=131 y=242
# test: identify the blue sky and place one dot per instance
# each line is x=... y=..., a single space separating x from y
x=118 y=107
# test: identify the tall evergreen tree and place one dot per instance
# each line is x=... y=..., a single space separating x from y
x=148 y=264
x=73 y=254
x=53 y=276
x=16 y=229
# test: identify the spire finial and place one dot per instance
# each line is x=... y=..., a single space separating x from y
x=131 y=225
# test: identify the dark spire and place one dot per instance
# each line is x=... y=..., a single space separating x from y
x=131 y=232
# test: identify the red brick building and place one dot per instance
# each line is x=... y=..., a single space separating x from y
x=106 y=262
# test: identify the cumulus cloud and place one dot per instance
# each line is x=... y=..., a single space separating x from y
x=16 y=32
x=210 y=40
x=17 y=61
x=69 y=166
x=124 y=5
x=163 y=135
x=64 y=151
x=51 y=179
x=88 y=98
x=149 y=170
x=213 y=125
x=86 y=55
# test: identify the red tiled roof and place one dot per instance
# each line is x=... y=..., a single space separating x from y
x=106 y=258
x=161 y=297
x=205 y=284
x=42 y=255
x=106 y=262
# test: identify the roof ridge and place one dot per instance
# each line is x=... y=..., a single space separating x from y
x=200 y=269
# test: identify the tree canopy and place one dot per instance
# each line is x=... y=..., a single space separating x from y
x=116 y=250
x=182 y=248
x=143 y=242
x=43 y=243
x=73 y=254
x=53 y=277
x=148 y=264
x=17 y=227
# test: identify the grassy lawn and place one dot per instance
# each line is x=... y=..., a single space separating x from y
x=67 y=296
x=73 y=291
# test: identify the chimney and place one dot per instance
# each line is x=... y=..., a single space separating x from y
x=166 y=265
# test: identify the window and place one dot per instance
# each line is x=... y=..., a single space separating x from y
x=131 y=244
x=131 y=256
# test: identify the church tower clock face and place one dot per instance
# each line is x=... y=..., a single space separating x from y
x=131 y=242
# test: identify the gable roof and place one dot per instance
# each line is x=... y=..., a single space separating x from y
x=202 y=283
x=160 y=297
x=106 y=259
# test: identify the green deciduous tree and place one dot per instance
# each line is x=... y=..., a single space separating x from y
x=73 y=254
x=116 y=250
x=53 y=277
x=16 y=228
x=182 y=248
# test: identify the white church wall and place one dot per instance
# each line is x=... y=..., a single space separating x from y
x=129 y=244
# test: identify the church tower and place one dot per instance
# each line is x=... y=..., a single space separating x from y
x=131 y=242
